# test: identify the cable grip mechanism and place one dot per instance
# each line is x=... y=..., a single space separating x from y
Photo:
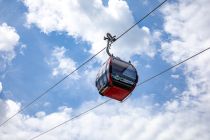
x=110 y=39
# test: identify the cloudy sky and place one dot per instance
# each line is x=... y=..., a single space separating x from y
x=41 y=41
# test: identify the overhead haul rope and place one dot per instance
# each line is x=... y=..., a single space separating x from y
x=98 y=105
x=88 y=60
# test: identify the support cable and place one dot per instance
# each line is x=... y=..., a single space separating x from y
x=157 y=7
x=168 y=69
x=71 y=119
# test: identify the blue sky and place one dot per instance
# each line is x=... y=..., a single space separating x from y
x=56 y=37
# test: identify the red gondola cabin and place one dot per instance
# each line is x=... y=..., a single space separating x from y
x=116 y=79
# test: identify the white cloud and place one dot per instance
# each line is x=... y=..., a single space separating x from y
x=40 y=114
x=1 y=87
x=3 y=110
x=8 y=40
x=147 y=66
x=46 y=104
x=174 y=90
x=90 y=21
x=126 y=121
x=62 y=64
x=175 y=76
x=186 y=23
x=90 y=76
x=22 y=48
x=189 y=35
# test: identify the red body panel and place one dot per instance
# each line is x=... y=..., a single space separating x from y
x=116 y=93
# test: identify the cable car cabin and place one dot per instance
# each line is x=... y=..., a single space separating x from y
x=116 y=79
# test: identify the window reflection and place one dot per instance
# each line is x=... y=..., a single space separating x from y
x=125 y=69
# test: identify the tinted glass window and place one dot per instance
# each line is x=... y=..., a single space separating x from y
x=123 y=68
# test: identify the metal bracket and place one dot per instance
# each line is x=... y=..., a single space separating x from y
x=110 y=39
